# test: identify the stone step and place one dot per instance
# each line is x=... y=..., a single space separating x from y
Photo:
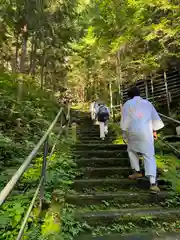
x=100 y=172
x=86 y=128
x=106 y=197
x=93 y=132
x=101 y=153
x=106 y=162
x=108 y=171
x=115 y=183
x=136 y=216
x=95 y=136
x=91 y=128
x=157 y=235
x=120 y=198
x=103 y=146
x=94 y=141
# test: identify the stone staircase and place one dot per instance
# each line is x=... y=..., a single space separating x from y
x=108 y=204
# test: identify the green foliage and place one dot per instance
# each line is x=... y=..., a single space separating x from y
x=22 y=122
x=51 y=224
x=123 y=41
x=70 y=227
x=11 y=215
x=116 y=128
x=169 y=164
x=35 y=39
x=59 y=176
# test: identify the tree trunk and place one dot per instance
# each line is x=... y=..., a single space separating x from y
x=20 y=89
x=119 y=78
x=24 y=49
x=42 y=68
x=42 y=76
x=111 y=98
x=15 y=60
x=22 y=61
x=32 y=67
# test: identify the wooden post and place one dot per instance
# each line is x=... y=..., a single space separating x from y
x=167 y=94
x=146 y=88
x=152 y=88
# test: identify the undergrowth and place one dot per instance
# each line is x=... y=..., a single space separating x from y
x=23 y=122
x=57 y=219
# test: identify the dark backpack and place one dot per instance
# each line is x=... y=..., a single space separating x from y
x=103 y=113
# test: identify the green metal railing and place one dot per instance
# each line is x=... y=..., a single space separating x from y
x=64 y=117
x=175 y=150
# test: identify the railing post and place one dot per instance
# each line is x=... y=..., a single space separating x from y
x=167 y=94
x=43 y=173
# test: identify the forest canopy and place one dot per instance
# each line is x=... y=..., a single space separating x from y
x=87 y=45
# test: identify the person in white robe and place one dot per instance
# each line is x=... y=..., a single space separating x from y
x=139 y=123
x=93 y=110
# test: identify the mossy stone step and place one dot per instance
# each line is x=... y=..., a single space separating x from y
x=99 y=160
x=94 y=129
x=107 y=172
x=101 y=153
x=92 y=138
x=136 y=236
x=93 y=134
x=100 y=172
x=106 y=162
x=110 y=183
x=123 y=197
x=103 y=146
x=95 y=141
x=87 y=128
x=138 y=216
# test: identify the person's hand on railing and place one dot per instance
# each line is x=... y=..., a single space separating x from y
x=155 y=135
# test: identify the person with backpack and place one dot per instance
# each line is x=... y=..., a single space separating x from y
x=103 y=117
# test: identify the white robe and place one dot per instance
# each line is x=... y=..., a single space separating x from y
x=139 y=119
x=93 y=110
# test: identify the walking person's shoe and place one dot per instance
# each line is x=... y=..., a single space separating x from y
x=154 y=188
x=135 y=175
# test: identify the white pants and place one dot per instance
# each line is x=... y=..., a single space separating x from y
x=149 y=165
x=103 y=129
